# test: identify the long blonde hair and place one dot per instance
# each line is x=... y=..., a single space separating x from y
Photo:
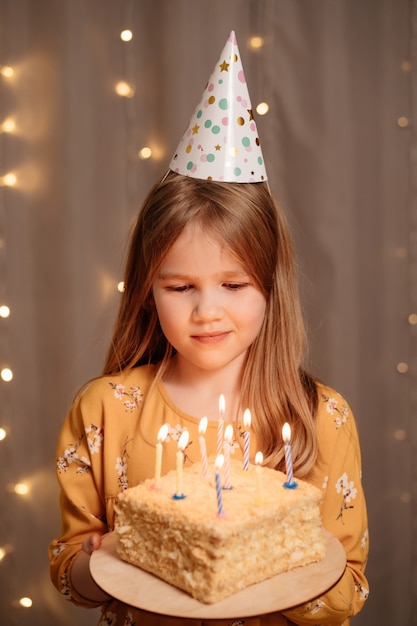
x=246 y=218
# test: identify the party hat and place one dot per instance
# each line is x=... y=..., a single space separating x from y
x=221 y=141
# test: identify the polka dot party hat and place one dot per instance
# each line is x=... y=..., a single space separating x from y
x=221 y=141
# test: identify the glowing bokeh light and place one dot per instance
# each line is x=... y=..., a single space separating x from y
x=145 y=153
x=22 y=489
x=9 y=179
x=256 y=42
x=126 y=35
x=6 y=71
x=6 y=374
x=262 y=108
x=8 y=126
x=125 y=90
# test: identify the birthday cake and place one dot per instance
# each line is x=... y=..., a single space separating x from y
x=264 y=529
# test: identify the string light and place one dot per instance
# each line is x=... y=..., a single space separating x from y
x=402 y=368
x=145 y=153
x=8 y=126
x=9 y=180
x=4 y=311
x=26 y=602
x=3 y=434
x=6 y=374
x=256 y=42
x=21 y=489
x=121 y=286
x=126 y=35
x=125 y=90
x=262 y=108
x=6 y=71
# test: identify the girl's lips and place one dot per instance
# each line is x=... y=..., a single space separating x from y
x=210 y=338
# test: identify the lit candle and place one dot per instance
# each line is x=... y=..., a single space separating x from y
x=228 y=436
x=286 y=435
x=202 y=427
x=162 y=435
x=218 y=464
x=258 y=462
x=247 y=418
x=182 y=444
x=220 y=424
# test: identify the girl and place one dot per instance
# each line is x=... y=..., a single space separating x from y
x=210 y=306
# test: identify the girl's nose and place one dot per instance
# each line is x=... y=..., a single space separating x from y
x=207 y=307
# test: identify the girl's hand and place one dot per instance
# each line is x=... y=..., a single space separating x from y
x=92 y=543
x=80 y=572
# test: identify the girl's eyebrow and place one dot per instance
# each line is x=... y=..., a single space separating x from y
x=166 y=275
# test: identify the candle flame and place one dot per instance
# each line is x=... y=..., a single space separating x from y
x=202 y=427
x=222 y=405
x=163 y=432
x=228 y=433
x=259 y=458
x=183 y=440
x=219 y=461
x=247 y=418
x=286 y=432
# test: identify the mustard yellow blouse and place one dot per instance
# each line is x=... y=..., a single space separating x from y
x=107 y=444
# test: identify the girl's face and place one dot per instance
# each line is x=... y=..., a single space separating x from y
x=209 y=307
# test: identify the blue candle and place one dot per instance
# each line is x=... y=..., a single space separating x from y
x=218 y=464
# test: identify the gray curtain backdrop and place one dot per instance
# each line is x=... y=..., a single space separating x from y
x=340 y=145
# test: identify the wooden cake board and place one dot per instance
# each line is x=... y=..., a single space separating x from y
x=138 y=588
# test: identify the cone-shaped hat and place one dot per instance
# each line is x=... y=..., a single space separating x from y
x=221 y=142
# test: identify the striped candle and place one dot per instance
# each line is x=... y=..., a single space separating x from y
x=220 y=424
x=218 y=464
x=228 y=436
x=286 y=435
x=182 y=444
x=247 y=418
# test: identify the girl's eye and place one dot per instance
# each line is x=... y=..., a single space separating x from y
x=179 y=288
x=235 y=286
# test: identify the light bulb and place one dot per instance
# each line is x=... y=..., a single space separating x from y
x=3 y=434
x=121 y=286
x=4 y=311
x=8 y=126
x=126 y=35
x=145 y=153
x=6 y=374
x=262 y=108
x=256 y=42
x=6 y=71
x=9 y=179
x=26 y=602
x=124 y=89
x=22 y=489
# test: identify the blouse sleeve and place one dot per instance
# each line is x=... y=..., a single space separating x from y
x=79 y=471
x=338 y=473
